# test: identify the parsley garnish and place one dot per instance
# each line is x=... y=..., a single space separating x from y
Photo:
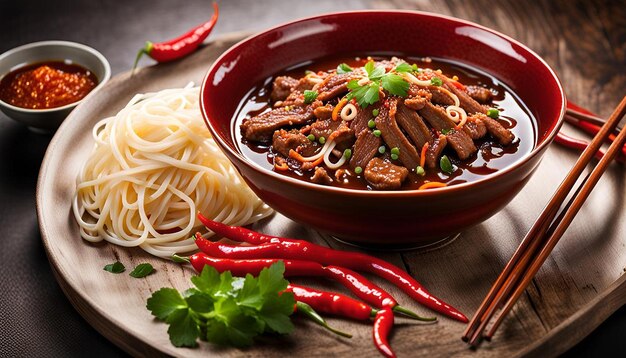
x=404 y=67
x=309 y=96
x=343 y=68
x=116 y=267
x=142 y=270
x=364 y=95
x=436 y=81
x=226 y=310
x=368 y=93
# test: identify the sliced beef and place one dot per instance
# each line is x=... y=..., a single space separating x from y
x=433 y=153
x=417 y=97
x=334 y=85
x=479 y=94
x=415 y=103
x=467 y=103
x=440 y=97
x=323 y=112
x=343 y=134
x=436 y=117
x=321 y=176
x=295 y=98
x=474 y=127
x=306 y=83
x=384 y=175
x=323 y=128
x=393 y=136
x=501 y=134
x=283 y=141
x=365 y=148
x=461 y=143
x=363 y=116
x=262 y=127
x=413 y=125
x=282 y=87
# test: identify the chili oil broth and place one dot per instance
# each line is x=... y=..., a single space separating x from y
x=491 y=155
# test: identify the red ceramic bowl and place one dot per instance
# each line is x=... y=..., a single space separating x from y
x=377 y=217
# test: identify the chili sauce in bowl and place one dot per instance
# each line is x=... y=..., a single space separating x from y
x=46 y=85
x=42 y=82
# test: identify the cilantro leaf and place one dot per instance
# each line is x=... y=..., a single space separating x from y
x=436 y=81
x=369 y=68
x=142 y=270
x=364 y=95
x=271 y=280
x=395 y=84
x=309 y=96
x=374 y=72
x=238 y=327
x=199 y=301
x=208 y=280
x=404 y=67
x=250 y=294
x=116 y=267
x=184 y=330
x=276 y=313
x=226 y=310
x=165 y=301
x=343 y=68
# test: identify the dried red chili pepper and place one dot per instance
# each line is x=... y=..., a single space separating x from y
x=180 y=46
x=382 y=326
x=300 y=249
x=332 y=303
x=359 y=285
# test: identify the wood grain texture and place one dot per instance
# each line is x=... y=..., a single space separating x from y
x=574 y=284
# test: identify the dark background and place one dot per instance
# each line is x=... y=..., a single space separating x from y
x=35 y=317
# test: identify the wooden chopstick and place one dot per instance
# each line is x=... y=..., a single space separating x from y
x=523 y=256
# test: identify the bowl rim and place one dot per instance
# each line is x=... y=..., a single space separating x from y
x=382 y=193
x=76 y=45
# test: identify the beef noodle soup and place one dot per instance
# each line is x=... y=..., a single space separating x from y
x=384 y=123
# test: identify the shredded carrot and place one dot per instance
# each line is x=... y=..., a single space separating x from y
x=297 y=156
x=318 y=161
x=432 y=184
x=338 y=108
x=281 y=167
x=423 y=154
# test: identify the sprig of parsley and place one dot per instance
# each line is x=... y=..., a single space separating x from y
x=390 y=81
x=226 y=310
x=309 y=96
x=343 y=68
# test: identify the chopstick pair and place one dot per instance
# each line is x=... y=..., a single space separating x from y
x=545 y=233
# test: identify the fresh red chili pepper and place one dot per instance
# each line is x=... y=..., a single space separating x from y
x=180 y=46
x=332 y=303
x=574 y=143
x=301 y=249
x=359 y=285
x=382 y=326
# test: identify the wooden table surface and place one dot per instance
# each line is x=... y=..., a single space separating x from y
x=584 y=41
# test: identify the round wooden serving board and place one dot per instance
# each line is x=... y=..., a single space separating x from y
x=575 y=290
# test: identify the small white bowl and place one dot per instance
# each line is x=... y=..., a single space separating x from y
x=49 y=119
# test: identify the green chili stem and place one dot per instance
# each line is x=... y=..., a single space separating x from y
x=308 y=311
x=406 y=312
